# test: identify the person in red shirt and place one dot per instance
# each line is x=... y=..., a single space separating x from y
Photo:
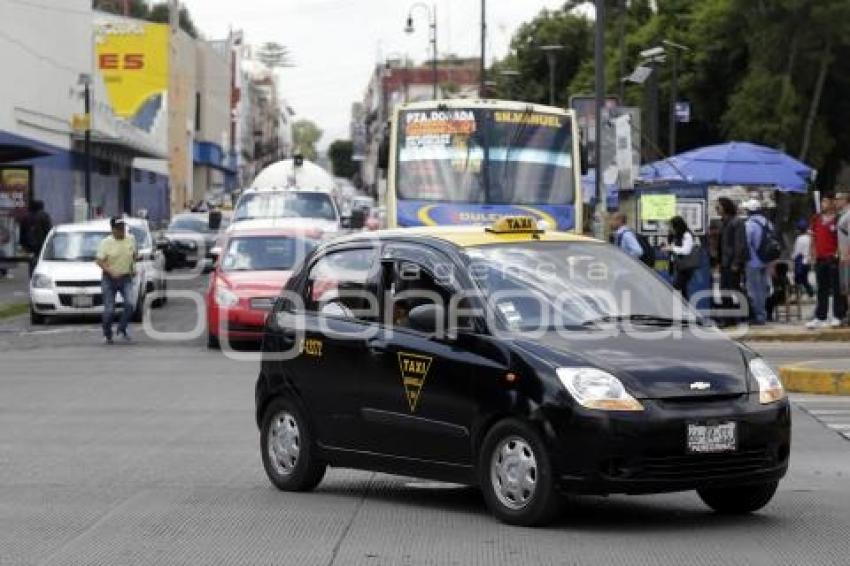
x=825 y=255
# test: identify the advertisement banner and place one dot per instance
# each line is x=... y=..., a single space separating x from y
x=15 y=186
x=132 y=59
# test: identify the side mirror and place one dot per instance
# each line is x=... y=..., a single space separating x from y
x=426 y=318
x=358 y=218
x=345 y=221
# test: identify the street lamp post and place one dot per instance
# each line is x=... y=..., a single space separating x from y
x=510 y=75
x=483 y=66
x=551 y=51
x=432 y=24
x=675 y=48
x=85 y=81
x=599 y=87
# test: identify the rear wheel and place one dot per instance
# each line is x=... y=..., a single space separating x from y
x=738 y=500
x=288 y=448
x=516 y=476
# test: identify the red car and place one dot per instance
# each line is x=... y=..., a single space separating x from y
x=250 y=272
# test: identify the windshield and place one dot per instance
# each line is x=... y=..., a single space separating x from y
x=189 y=224
x=563 y=284
x=73 y=246
x=485 y=156
x=265 y=253
x=283 y=204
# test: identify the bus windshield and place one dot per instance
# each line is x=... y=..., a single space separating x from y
x=486 y=156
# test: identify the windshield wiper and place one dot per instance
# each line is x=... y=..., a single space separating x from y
x=648 y=319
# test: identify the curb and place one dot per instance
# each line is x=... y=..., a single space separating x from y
x=832 y=335
x=802 y=379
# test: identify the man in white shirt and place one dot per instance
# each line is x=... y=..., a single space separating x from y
x=802 y=257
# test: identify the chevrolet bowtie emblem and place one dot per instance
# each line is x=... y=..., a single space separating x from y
x=700 y=385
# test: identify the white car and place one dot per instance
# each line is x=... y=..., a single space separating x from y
x=289 y=207
x=66 y=280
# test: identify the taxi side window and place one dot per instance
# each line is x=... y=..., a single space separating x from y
x=340 y=284
x=409 y=285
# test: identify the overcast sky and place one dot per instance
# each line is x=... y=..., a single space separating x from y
x=336 y=43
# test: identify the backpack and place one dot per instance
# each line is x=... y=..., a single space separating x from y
x=647 y=254
x=770 y=246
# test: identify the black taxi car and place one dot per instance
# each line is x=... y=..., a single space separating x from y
x=529 y=363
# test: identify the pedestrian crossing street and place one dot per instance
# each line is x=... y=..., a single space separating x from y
x=831 y=411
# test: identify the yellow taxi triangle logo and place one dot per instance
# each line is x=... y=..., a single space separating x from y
x=414 y=369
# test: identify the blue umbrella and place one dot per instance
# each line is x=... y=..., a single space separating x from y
x=733 y=163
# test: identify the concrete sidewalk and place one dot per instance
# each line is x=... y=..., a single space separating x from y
x=825 y=377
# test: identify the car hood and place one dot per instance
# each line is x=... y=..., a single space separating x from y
x=189 y=236
x=651 y=368
x=292 y=222
x=255 y=283
x=70 y=270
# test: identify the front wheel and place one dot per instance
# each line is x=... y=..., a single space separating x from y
x=516 y=476
x=36 y=319
x=288 y=448
x=738 y=500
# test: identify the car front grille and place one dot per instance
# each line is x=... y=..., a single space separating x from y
x=88 y=283
x=701 y=466
x=68 y=300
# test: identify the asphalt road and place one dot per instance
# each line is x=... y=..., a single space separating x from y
x=148 y=453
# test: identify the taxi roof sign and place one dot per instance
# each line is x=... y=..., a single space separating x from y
x=515 y=225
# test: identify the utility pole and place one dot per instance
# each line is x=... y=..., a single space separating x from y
x=551 y=51
x=85 y=80
x=674 y=49
x=599 y=62
x=483 y=70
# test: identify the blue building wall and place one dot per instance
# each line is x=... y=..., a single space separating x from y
x=57 y=175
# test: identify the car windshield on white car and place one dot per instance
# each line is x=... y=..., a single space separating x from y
x=575 y=284
x=73 y=246
x=282 y=204
x=265 y=253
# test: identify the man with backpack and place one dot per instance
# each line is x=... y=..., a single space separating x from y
x=731 y=255
x=824 y=228
x=764 y=248
x=625 y=238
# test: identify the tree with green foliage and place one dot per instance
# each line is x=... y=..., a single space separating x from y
x=274 y=55
x=305 y=136
x=558 y=27
x=775 y=72
x=142 y=10
x=340 y=153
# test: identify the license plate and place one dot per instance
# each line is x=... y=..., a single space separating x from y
x=707 y=438
x=262 y=304
x=82 y=301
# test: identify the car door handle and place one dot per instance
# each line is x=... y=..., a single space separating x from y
x=377 y=347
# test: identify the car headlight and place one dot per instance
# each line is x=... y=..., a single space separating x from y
x=597 y=389
x=770 y=387
x=225 y=297
x=41 y=281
